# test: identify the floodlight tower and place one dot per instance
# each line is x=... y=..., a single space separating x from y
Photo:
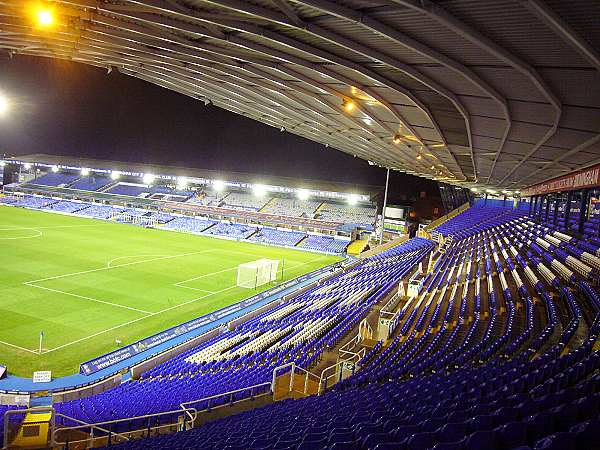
x=385 y=195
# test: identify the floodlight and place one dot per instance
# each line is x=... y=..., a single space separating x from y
x=148 y=178
x=54 y=169
x=218 y=185
x=85 y=172
x=352 y=199
x=182 y=183
x=259 y=190
x=303 y=194
x=114 y=175
x=2 y=164
x=44 y=17
x=27 y=166
x=3 y=104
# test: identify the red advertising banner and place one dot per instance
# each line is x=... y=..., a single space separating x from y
x=582 y=179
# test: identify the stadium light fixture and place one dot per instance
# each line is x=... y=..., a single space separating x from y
x=397 y=139
x=45 y=17
x=303 y=194
x=352 y=199
x=218 y=185
x=114 y=175
x=27 y=166
x=85 y=172
x=419 y=157
x=148 y=178
x=182 y=183
x=2 y=164
x=259 y=190
x=348 y=105
x=4 y=106
x=54 y=169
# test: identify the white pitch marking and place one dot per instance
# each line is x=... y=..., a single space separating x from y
x=17 y=227
x=116 y=267
x=109 y=264
x=87 y=298
x=20 y=348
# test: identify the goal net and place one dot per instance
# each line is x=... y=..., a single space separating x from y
x=257 y=273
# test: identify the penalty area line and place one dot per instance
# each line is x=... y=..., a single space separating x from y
x=137 y=320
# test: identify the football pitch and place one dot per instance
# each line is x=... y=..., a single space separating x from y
x=85 y=283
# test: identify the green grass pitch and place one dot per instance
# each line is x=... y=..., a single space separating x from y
x=86 y=283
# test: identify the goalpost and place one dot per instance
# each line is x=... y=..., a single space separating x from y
x=256 y=273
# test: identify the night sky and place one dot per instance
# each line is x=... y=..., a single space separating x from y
x=69 y=109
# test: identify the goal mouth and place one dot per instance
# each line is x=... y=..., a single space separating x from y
x=257 y=273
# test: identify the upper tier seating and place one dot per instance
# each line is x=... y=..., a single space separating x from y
x=133 y=190
x=292 y=207
x=497 y=352
x=244 y=201
x=91 y=183
x=208 y=198
x=298 y=330
x=278 y=237
x=55 y=179
x=360 y=215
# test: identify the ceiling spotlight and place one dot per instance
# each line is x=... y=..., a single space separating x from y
x=27 y=166
x=114 y=175
x=148 y=178
x=54 y=169
x=44 y=17
x=85 y=172
x=397 y=139
x=419 y=157
x=348 y=104
x=282 y=129
x=432 y=167
x=326 y=145
x=352 y=199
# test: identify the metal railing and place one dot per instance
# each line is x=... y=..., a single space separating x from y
x=188 y=413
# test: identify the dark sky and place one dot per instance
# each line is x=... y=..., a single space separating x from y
x=69 y=109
